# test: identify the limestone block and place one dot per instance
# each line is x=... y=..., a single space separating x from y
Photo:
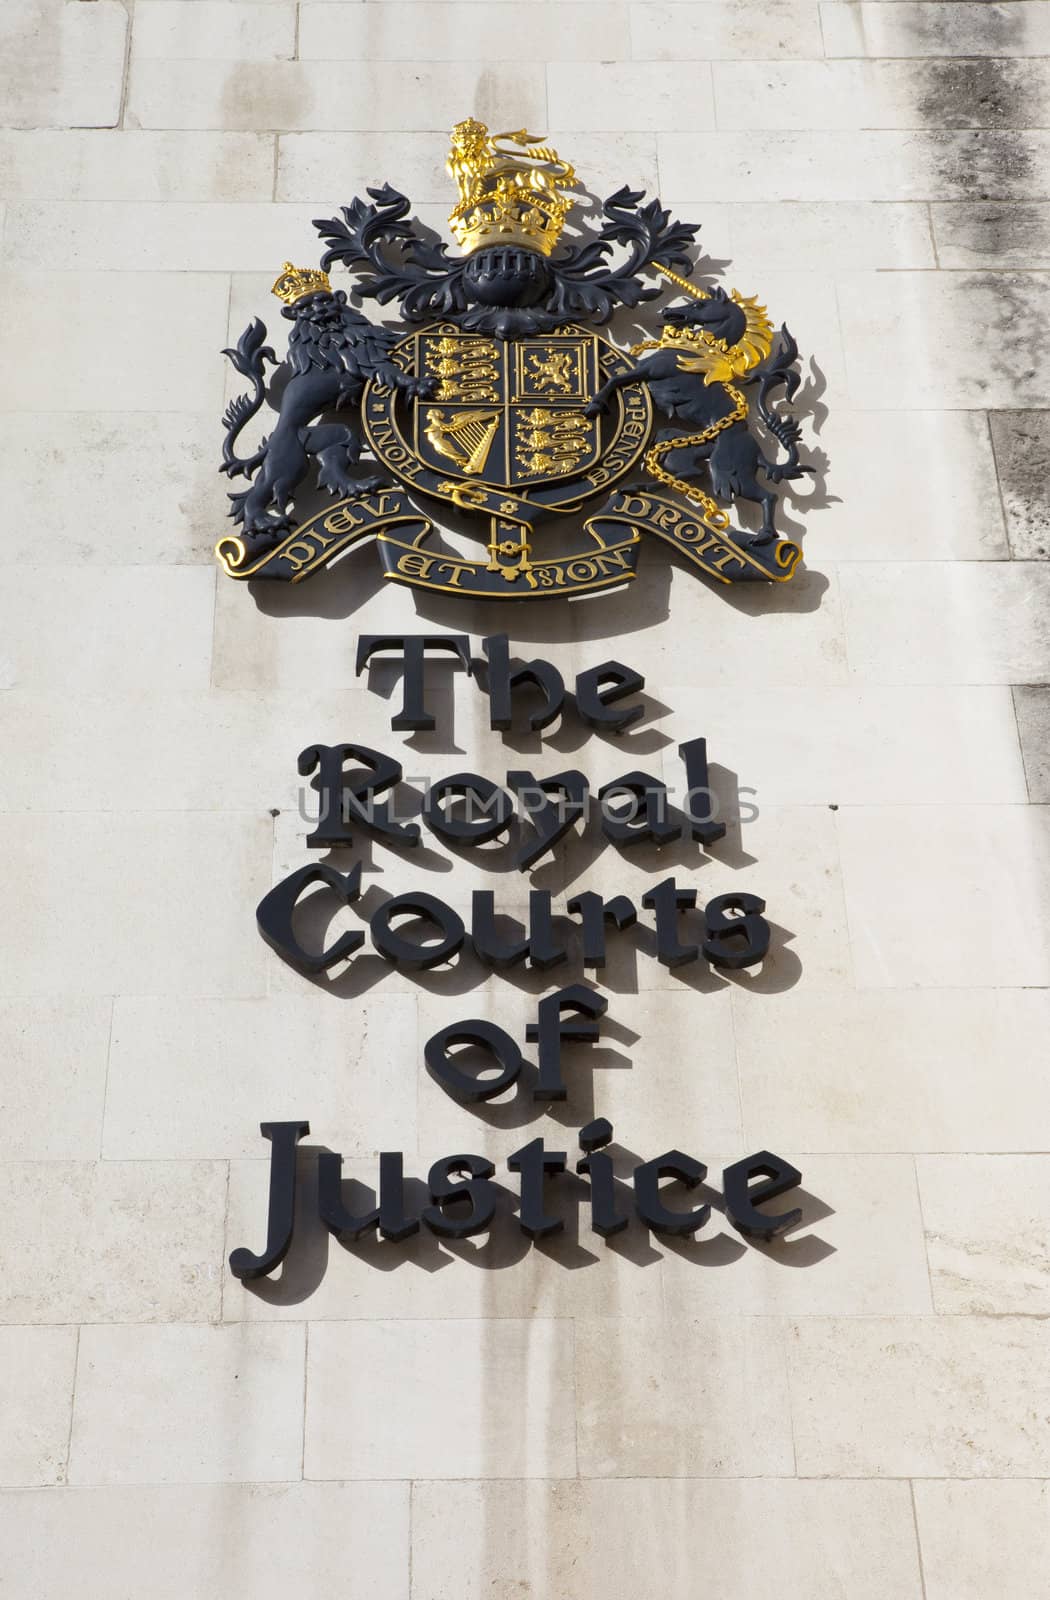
x=198 y=751
x=952 y=1069
x=63 y=64
x=285 y=96
x=214 y=30
x=328 y=168
x=220 y=1068
x=902 y=28
x=1022 y=458
x=667 y=608
x=947 y=622
x=854 y=164
x=118 y=236
x=471 y=1399
x=785 y=855
x=953 y=865
x=725 y=32
x=944 y=94
x=531 y=1537
x=159 y=905
x=90 y=357
x=817 y=235
x=72 y=165
x=226 y=1402
x=919 y=1397
x=932 y=496
x=36 y=1393
x=897 y=322
x=175 y=1541
x=859 y=1249
x=805 y=300
x=693 y=1399
x=991 y=235
x=986 y=1233
x=592 y=95
x=983 y=1538
x=112 y=1241
x=98 y=488
x=501 y=1274
x=419 y=30
x=661 y=1072
x=625 y=1537
x=1033 y=728
x=789 y=857
x=163 y=617
x=52 y=1078
x=798 y=747
x=324 y=168
x=306 y=634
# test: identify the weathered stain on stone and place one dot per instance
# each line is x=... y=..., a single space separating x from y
x=978 y=30
x=983 y=165
x=1032 y=708
x=992 y=233
x=1021 y=441
x=1001 y=315
x=265 y=95
x=967 y=93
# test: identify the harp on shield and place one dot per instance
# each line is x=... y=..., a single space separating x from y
x=465 y=438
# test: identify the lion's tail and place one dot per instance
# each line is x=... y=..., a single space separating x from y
x=249 y=358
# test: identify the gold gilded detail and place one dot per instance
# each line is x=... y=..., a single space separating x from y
x=711 y=512
x=295 y=282
x=507 y=195
x=555 y=371
x=552 y=442
x=463 y=495
x=467 y=369
x=700 y=351
x=465 y=437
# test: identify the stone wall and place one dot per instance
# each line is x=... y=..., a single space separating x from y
x=858 y=1411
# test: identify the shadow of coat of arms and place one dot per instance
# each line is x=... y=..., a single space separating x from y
x=498 y=404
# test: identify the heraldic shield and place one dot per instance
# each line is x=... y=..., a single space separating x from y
x=512 y=415
x=498 y=398
x=501 y=426
x=508 y=415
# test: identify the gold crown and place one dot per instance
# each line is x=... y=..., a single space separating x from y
x=294 y=282
x=507 y=196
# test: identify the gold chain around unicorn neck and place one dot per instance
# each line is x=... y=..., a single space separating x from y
x=720 y=361
x=711 y=513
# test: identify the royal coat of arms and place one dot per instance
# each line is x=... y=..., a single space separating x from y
x=497 y=400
